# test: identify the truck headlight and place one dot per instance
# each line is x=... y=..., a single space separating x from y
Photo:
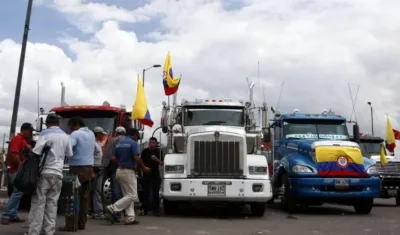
x=301 y=169
x=258 y=170
x=174 y=169
x=372 y=170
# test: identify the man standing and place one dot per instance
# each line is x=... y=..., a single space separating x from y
x=152 y=158
x=81 y=164
x=97 y=208
x=111 y=167
x=18 y=145
x=43 y=212
x=127 y=155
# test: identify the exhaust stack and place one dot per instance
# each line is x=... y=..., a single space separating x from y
x=63 y=103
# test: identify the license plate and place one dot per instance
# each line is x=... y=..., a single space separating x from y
x=216 y=190
x=341 y=183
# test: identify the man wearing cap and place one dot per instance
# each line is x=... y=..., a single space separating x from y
x=18 y=145
x=43 y=212
x=97 y=206
x=111 y=167
x=127 y=154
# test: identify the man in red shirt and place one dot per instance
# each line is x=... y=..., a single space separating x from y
x=19 y=146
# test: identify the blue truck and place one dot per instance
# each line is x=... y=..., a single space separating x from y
x=315 y=162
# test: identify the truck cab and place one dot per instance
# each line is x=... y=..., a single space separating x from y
x=389 y=173
x=317 y=163
x=214 y=156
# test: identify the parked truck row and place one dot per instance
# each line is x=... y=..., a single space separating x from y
x=217 y=153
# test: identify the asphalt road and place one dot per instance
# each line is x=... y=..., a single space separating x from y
x=329 y=219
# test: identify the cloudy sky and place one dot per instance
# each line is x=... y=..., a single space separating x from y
x=97 y=48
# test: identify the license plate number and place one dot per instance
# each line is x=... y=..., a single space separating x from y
x=216 y=190
x=341 y=183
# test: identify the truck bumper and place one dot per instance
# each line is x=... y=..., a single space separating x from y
x=325 y=188
x=390 y=187
x=236 y=190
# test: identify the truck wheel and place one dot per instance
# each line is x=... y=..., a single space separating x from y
x=288 y=202
x=106 y=192
x=398 y=199
x=170 y=207
x=257 y=209
x=364 y=206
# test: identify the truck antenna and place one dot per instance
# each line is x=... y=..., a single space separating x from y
x=353 y=101
x=280 y=95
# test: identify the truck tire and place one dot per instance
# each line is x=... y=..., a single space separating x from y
x=257 y=209
x=398 y=199
x=271 y=201
x=288 y=202
x=170 y=207
x=364 y=206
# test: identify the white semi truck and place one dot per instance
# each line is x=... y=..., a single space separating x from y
x=214 y=155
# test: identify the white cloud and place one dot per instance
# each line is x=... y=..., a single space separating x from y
x=316 y=47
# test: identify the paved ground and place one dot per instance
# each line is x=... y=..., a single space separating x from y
x=330 y=219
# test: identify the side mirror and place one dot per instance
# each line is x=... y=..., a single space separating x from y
x=39 y=124
x=267 y=136
x=164 y=129
x=356 y=133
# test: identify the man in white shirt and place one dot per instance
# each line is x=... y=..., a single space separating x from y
x=43 y=212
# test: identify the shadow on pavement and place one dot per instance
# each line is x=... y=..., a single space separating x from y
x=333 y=210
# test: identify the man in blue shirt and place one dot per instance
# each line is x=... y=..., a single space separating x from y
x=127 y=154
x=81 y=163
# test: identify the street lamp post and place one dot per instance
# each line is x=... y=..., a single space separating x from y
x=372 y=117
x=144 y=71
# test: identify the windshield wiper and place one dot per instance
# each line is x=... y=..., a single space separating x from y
x=213 y=123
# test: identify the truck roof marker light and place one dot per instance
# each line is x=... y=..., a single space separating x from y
x=216 y=134
x=221 y=101
x=206 y=100
x=307 y=115
x=315 y=115
x=213 y=100
x=241 y=101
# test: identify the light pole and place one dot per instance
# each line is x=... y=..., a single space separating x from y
x=20 y=70
x=144 y=71
x=372 y=117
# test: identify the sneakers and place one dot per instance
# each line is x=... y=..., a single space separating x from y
x=110 y=214
x=99 y=216
x=135 y=222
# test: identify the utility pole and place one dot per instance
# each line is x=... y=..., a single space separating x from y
x=20 y=70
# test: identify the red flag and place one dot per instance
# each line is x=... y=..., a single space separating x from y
x=396 y=134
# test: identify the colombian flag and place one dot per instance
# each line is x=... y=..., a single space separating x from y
x=384 y=161
x=339 y=161
x=140 y=111
x=390 y=140
x=170 y=83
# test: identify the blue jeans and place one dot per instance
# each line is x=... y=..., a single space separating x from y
x=116 y=193
x=13 y=202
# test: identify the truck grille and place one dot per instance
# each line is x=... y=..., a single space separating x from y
x=391 y=168
x=217 y=159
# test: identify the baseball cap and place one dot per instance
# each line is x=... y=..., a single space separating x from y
x=120 y=129
x=27 y=127
x=99 y=129
x=52 y=117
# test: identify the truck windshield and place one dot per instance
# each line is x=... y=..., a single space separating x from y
x=370 y=148
x=92 y=118
x=303 y=129
x=214 y=115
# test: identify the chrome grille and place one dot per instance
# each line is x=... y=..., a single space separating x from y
x=217 y=159
x=391 y=168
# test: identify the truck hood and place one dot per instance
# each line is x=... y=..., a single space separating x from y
x=227 y=129
x=309 y=145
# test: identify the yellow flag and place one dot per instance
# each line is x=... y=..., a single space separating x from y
x=383 y=155
x=140 y=110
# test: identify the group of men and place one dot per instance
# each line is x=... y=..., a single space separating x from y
x=90 y=161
